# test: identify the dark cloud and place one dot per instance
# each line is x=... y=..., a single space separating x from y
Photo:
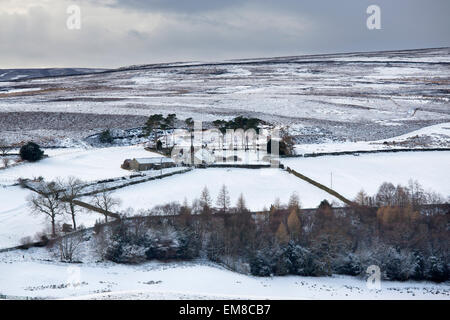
x=185 y=6
x=123 y=32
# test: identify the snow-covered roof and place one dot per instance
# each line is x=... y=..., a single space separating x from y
x=154 y=160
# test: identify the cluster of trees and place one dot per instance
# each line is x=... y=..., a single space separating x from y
x=412 y=194
x=157 y=123
x=239 y=122
x=285 y=144
x=405 y=241
x=136 y=240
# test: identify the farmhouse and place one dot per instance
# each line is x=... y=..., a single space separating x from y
x=143 y=164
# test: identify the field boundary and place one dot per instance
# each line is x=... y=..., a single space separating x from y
x=356 y=152
x=320 y=186
x=133 y=182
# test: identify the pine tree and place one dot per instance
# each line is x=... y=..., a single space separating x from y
x=152 y=125
x=223 y=199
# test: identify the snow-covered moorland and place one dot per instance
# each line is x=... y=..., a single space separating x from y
x=367 y=96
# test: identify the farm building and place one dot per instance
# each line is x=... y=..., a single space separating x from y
x=143 y=164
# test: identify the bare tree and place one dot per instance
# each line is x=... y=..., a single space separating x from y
x=416 y=193
x=294 y=201
x=5 y=162
x=385 y=195
x=223 y=199
x=240 y=205
x=4 y=148
x=69 y=246
x=47 y=201
x=205 y=201
x=105 y=201
x=362 y=198
x=72 y=189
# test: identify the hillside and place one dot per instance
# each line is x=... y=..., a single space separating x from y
x=358 y=96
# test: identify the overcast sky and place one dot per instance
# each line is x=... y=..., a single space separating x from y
x=114 y=33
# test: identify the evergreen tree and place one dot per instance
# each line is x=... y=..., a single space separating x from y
x=152 y=125
x=31 y=152
x=105 y=137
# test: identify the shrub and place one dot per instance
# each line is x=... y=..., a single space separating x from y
x=304 y=262
x=31 y=152
x=437 y=270
x=189 y=245
x=349 y=264
x=125 y=247
x=26 y=242
x=260 y=265
x=106 y=137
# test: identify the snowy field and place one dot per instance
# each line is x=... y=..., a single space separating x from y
x=85 y=164
x=368 y=171
x=17 y=221
x=25 y=274
x=259 y=187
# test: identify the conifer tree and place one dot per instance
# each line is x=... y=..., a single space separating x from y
x=282 y=234
x=294 y=224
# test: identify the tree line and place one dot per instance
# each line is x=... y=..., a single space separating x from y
x=407 y=239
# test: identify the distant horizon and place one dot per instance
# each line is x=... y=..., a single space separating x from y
x=230 y=60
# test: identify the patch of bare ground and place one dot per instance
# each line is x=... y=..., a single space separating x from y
x=29 y=93
x=66 y=121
